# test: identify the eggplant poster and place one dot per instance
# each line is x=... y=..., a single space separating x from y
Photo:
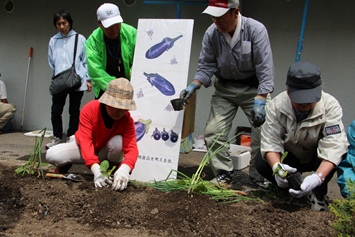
x=159 y=73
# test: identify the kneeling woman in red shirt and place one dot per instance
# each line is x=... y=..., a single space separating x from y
x=106 y=132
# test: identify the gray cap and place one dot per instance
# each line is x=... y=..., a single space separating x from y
x=304 y=83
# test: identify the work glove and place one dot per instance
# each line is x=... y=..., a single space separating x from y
x=258 y=113
x=121 y=178
x=280 y=176
x=188 y=92
x=100 y=180
x=309 y=183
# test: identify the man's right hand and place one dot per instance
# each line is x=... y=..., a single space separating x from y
x=188 y=92
x=280 y=174
x=100 y=180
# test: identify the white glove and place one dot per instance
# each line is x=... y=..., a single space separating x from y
x=121 y=178
x=309 y=183
x=280 y=176
x=100 y=180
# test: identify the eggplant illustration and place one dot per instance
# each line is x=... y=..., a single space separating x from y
x=163 y=85
x=173 y=136
x=164 y=135
x=142 y=127
x=156 y=134
x=159 y=48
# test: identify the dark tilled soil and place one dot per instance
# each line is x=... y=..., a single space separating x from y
x=31 y=206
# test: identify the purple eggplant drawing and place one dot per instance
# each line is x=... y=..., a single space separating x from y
x=163 y=85
x=142 y=127
x=156 y=134
x=173 y=136
x=164 y=135
x=159 y=48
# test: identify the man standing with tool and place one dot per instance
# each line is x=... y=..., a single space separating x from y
x=237 y=51
x=110 y=48
x=106 y=132
x=7 y=110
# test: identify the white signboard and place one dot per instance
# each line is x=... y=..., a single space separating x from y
x=160 y=72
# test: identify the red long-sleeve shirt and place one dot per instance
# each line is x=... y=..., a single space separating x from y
x=92 y=135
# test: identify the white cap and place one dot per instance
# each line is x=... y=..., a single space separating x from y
x=217 y=8
x=109 y=14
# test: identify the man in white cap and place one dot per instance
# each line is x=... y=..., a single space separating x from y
x=237 y=51
x=110 y=48
x=307 y=123
x=106 y=132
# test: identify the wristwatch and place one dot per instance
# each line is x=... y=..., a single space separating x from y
x=321 y=176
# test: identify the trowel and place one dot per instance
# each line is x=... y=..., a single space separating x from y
x=71 y=177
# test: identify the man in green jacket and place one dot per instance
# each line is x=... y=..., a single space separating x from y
x=110 y=48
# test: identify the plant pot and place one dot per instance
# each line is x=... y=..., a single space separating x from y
x=294 y=180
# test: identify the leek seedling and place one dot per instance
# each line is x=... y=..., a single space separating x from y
x=196 y=178
x=197 y=184
x=203 y=187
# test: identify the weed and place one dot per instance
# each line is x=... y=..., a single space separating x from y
x=344 y=210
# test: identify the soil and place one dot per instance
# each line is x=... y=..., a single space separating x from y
x=33 y=206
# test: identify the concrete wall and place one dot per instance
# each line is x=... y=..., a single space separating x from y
x=328 y=43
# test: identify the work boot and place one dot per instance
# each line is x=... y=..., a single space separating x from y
x=318 y=202
x=54 y=141
x=62 y=169
x=224 y=177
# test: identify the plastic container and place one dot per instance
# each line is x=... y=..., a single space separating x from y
x=240 y=156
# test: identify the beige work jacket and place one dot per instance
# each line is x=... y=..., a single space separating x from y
x=320 y=135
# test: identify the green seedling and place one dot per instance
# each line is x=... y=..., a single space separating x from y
x=105 y=168
x=34 y=165
x=279 y=167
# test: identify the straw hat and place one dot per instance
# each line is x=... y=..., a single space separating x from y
x=119 y=94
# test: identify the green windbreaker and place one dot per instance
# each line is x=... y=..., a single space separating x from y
x=97 y=57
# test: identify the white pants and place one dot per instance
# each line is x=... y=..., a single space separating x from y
x=69 y=153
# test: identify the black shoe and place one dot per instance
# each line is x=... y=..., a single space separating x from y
x=62 y=169
x=224 y=177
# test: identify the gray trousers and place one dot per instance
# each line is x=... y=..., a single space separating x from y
x=226 y=100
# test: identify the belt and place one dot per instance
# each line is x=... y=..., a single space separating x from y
x=251 y=81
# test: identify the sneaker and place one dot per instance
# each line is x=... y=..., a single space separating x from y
x=54 y=141
x=224 y=177
x=318 y=203
x=69 y=139
x=62 y=169
x=264 y=185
